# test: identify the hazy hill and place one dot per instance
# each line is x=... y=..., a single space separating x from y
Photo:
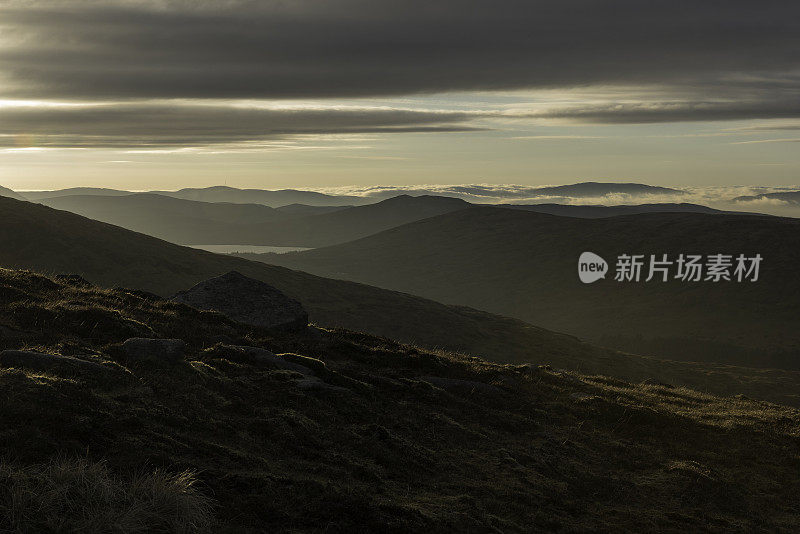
x=209 y=223
x=38 y=237
x=355 y=433
x=6 y=192
x=599 y=189
x=792 y=197
x=85 y=191
x=524 y=265
x=173 y=219
x=274 y=199
x=305 y=209
x=348 y=224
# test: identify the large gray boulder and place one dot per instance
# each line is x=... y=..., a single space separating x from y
x=247 y=301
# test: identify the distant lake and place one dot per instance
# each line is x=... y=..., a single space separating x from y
x=258 y=249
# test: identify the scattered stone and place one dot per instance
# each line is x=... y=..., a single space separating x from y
x=39 y=361
x=461 y=386
x=246 y=301
x=156 y=352
x=73 y=280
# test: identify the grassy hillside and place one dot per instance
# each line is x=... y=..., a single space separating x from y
x=372 y=435
x=209 y=223
x=37 y=237
x=524 y=265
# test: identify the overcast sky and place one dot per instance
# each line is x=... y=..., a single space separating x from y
x=317 y=93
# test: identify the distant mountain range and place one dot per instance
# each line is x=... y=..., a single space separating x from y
x=219 y=193
x=295 y=225
x=524 y=265
x=211 y=223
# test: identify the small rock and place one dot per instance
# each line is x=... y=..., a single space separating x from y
x=156 y=352
x=39 y=361
x=246 y=301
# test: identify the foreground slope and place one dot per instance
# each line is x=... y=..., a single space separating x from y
x=524 y=265
x=372 y=435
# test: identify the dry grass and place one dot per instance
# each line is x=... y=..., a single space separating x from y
x=77 y=495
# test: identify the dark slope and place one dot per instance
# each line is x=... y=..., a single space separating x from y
x=37 y=237
x=387 y=439
x=524 y=265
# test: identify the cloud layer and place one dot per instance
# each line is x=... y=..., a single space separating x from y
x=187 y=125
x=736 y=50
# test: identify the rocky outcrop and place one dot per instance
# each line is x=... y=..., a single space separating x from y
x=246 y=301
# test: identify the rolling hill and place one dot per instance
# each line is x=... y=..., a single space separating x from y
x=524 y=265
x=53 y=241
x=211 y=223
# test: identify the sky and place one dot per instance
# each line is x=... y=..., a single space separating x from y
x=163 y=94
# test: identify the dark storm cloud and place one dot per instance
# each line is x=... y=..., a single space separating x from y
x=171 y=125
x=344 y=48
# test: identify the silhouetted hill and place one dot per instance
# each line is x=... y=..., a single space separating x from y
x=6 y=192
x=339 y=431
x=524 y=265
x=791 y=197
x=41 y=238
x=599 y=189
